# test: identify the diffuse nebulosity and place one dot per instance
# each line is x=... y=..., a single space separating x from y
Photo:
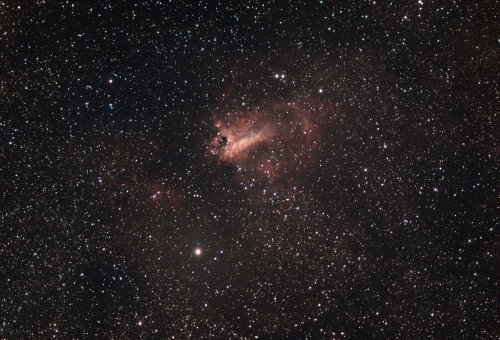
x=319 y=169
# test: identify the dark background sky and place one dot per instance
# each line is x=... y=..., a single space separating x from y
x=384 y=229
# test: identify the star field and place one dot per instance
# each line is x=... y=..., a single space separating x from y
x=249 y=169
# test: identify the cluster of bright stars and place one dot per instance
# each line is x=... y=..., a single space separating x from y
x=282 y=77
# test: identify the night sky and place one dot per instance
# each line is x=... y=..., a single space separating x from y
x=249 y=169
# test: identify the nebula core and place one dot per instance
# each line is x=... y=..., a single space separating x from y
x=273 y=138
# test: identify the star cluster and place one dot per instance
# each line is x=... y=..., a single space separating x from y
x=249 y=169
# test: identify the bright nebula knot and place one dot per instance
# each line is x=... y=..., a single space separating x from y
x=273 y=138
